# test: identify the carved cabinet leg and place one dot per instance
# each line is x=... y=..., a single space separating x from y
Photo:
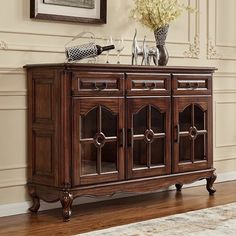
x=179 y=187
x=210 y=182
x=66 y=202
x=36 y=201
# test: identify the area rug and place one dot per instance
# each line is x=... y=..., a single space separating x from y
x=215 y=221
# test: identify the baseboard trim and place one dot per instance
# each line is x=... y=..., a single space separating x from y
x=22 y=207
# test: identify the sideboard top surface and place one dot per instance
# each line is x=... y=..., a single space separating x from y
x=124 y=67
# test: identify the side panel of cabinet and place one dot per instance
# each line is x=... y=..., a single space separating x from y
x=98 y=140
x=192 y=133
x=43 y=134
x=148 y=137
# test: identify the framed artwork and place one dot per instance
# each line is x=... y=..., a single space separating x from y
x=85 y=11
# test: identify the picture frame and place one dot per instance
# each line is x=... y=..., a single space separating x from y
x=81 y=11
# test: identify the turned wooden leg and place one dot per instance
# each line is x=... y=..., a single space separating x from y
x=210 y=182
x=66 y=202
x=36 y=202
x=179 y=187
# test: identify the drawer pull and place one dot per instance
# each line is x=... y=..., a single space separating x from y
x=100 y=86
x=192 y=85
x=150 y=87
x=195 y=85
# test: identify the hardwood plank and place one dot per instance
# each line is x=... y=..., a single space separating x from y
x=94 y=216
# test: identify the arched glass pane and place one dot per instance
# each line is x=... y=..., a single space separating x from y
x=199 y=118
x=109 y=157
x=88 y=159
x=185 y=119
x=139 y=154
x=158 y=152
x=200 y=148
x=109 y=123
x=185 y=148
x=140 y=121
x=89 y=124
x=158 y=121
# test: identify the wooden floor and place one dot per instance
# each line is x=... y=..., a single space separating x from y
x=95 y=216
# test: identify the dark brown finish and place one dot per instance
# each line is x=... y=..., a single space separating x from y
x=199 y=125
x=36 y=201
x=102 y=129
x=151 y=84
x=97 y=84
x=179 y=187
x=117 y=212
x=210 y=182
x=66 y=199
x=197 y=84
x=44 y=16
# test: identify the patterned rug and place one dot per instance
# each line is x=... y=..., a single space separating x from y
x=215 y=221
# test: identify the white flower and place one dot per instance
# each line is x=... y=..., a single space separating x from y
x=157 y=13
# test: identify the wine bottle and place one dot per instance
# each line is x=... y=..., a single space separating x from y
x=79 y=52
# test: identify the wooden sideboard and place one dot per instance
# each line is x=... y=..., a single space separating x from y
x=97 y=130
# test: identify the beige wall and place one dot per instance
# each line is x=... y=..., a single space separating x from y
x=207 y=38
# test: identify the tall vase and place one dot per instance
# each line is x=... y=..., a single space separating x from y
x=160 y=37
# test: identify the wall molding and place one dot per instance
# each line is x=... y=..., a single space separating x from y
x=12 y=71
x=22 y=207
x=14 y=93
x=12 y=167
x=215 y=50
x=224 y=91
x=217 y=145
x=22 y=41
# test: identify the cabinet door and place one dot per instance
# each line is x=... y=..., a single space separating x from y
x=148 y=138
x=192 y=144
x=98 y=133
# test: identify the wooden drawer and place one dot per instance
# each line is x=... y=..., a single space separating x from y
x=192 y=84
x=97 y=84
x=148 y=84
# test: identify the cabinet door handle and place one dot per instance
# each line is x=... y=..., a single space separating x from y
x=100 y=87
x=150 y=87
x=130 y=137
x=195 y=85
x=177 y=133
x=122 y=137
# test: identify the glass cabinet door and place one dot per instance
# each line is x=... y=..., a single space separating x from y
x=148 y=138
x=98 y=140
x=191 y=130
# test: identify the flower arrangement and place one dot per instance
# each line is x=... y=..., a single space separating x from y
x=157 y=13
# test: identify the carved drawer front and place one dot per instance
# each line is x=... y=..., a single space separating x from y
x=192 y=84
x=148 y=84
x=97 y=84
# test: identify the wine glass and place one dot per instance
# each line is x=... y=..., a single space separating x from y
x=119 y=46
x=109 y=42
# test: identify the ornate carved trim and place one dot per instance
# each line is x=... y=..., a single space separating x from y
x=3 y=45
x=194 y=49
x=211 y=50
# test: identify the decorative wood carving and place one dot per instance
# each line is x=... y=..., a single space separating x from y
x=66 y=199
x=210 y=182
x=92 y=142
x=36 y=202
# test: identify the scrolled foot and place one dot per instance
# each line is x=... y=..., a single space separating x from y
x=179 y=187
x=210 y=182
x=36 y=201
x=66 y=202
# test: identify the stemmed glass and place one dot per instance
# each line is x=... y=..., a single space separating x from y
x=109 y=42
x=119 y=46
